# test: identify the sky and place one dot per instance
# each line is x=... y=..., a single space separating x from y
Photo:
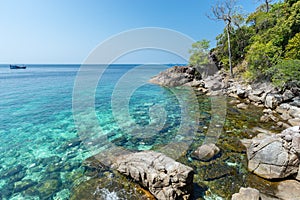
x=67 y=31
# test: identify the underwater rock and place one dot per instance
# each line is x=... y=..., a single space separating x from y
x=217 y=171
x=206 y=152
x=12 y=171
x=109 y=186
x=54 y=167
x=246 y=194
x=23 y=185
x=92 y=166
x=175 y=76
x=274 y=156
x=48 y=187
x=164 y=177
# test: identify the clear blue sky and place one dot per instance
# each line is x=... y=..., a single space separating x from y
x=66 y=31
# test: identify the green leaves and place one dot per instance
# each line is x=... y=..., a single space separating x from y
x=293 y=48
x=199 y=53
x=286 y=72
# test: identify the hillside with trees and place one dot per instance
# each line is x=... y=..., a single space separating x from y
x=263 y=45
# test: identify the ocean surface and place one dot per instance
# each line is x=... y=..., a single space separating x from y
x=49 y=123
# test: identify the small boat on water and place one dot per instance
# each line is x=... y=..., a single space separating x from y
x=17 y=67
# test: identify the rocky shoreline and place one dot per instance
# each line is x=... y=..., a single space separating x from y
x=273 y=167
x=270 y=156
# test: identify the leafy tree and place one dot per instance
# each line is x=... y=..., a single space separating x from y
x=293 y=48
x=286 y=72
x=199 y=53
x=267 y=46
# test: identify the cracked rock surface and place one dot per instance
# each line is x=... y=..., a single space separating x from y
x=274 y=156
x=165 y=178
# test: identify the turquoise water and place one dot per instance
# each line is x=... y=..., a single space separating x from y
x=42 y=147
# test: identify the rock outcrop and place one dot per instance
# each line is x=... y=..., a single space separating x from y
x=177 y=76
x=165 y=178
x=274 y=156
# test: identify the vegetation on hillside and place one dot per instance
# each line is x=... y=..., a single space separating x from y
x=264 y=44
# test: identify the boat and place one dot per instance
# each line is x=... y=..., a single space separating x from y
x=17 y=67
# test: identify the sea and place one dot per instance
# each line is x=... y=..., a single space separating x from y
x=53 y=117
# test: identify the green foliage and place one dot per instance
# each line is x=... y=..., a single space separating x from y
x=199 y=53
x=293 y=48
x=262 y=56
x=286 y=71
x=268 y=41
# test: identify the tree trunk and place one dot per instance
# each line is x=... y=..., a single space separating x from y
x=229 y=49
x=267 y=5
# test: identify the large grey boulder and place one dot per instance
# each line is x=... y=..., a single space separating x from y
x=246 y=194
x=274 y=156
x=165 y=178
x=175 y=76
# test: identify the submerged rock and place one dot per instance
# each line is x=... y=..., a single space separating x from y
x=23 y=185
x=274 y=156
x=206 y=152
x=109 y=186
x=48 y=188
x=164 y=177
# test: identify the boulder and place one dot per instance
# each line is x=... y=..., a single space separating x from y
x=273 y=100
x=288 y=95
x=294 y=122
x=296 y=102
x=274 y=156
x=288 y=190
x=164 y=177
x=175 y=76
x=246 y=194
x=206 y=152
x=294 y=112
x=242 y=93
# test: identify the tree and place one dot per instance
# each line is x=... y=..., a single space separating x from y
x=199 y=53
x=293 y=48
x=227 y=12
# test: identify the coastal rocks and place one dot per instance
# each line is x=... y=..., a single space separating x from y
x=246 y=194
x=164 y=177
x=176 y=76
x=283 y=190
x=274 y=156
x=273 y=100
x=288 y=190
x=206 y=152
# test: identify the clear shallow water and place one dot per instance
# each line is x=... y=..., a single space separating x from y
x=41 y=150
